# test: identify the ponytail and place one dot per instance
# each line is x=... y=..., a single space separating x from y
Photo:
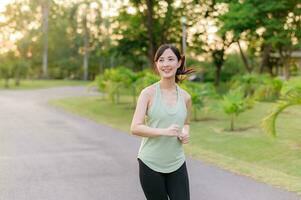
x=182 y=71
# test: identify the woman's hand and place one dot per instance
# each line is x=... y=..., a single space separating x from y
x=173 y=130
x=184 y=136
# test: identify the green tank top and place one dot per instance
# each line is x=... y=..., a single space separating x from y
x=164 y=153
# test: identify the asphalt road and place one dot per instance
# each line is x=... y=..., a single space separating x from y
x=48 y=154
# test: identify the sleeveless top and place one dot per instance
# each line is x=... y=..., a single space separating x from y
x=164 y=153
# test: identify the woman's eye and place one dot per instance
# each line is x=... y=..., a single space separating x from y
x=170 y=59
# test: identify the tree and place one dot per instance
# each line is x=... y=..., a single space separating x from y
x=274 y=24
x=6 y=69
x=211 y=43
x=45 y=14
x=87 y=13
x=153 y=23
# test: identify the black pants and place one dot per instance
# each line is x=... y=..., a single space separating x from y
x=160 y=186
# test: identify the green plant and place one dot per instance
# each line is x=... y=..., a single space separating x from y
x=199 y=93
x=261 y=87
x=291 y=98
x=235 y=103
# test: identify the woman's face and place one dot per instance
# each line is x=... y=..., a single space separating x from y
x=167 y=64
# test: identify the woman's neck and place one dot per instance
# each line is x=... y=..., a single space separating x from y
x=167 y=84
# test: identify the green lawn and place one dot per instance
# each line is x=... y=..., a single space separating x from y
x=246 y=151
x=37 y=84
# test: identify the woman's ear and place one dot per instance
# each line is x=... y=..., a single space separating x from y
x=155 y=67
x=180 y=61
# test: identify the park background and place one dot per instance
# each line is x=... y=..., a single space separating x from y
x=246 y=55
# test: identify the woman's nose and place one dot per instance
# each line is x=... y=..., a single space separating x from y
x=165 y=63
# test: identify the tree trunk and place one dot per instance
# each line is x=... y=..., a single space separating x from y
x=195 y=114
x=149 y=26
x=86 y=48
x=117 y=96
x=218 y=60
x=277 y=70
x=286 y=69
x=265 y=57
x=217 y=75
x=17 y=77
x=6 y=83
x=270 y=70
x=247 y=66
x=166 y=23
x=232 y=123
x=284 y=58
x=45 y=14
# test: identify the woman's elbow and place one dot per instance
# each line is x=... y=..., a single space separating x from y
x=133 y=129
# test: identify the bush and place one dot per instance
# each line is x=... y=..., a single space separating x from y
x=261 y=87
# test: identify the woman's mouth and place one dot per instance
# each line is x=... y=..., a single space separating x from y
x=166 y=70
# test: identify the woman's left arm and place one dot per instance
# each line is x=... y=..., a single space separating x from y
x=185 y=131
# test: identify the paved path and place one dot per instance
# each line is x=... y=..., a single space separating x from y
x=47 y=154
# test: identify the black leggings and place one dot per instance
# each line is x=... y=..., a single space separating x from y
x=160 y=186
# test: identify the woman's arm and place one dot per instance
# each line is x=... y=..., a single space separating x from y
x=184 y=137
x=140 y=129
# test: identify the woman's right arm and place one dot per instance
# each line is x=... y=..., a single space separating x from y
x=140 y=129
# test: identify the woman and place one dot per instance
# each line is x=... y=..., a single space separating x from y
x=166 y=108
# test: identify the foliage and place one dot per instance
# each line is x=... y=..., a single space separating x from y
x=260 y=87
x=294 y=82
x=146 y=78
x=269 y=90
x=267 y=26
x=79 y=29
x=199 y=94
x=13 y=67
x=233 y=66
x=111 y=82
x=234 y=103
x=290 y=98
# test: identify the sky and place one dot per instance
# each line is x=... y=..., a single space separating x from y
x=109 y=9
x=3 y=3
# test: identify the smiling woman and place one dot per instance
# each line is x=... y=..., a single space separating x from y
x=162 y=119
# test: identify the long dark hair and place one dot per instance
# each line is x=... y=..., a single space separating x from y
x=181 y=70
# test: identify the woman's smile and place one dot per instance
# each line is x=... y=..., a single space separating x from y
x=166 y=70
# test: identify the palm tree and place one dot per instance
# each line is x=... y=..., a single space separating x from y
x=234 y=103
x=86 y=14
x=292 y=98
x=45 y=14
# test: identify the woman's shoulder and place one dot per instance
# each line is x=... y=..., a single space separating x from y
x=149 y=91
x=185 y=94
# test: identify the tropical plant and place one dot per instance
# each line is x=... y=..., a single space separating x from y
x=234 y=103
x=291 y=98
x=147 y=77
x=113 y=80
x=269 y=90
x=261 y=87
x=199 y=93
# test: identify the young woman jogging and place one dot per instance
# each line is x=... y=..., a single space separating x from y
x=161 y=118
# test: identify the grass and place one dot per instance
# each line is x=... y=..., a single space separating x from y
x=247 y=151
x=38 y=84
